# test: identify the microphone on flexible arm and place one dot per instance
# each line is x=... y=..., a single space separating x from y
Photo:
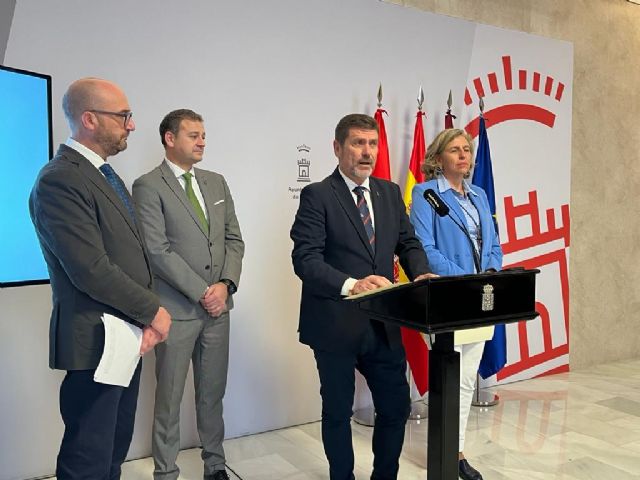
x=442 y=209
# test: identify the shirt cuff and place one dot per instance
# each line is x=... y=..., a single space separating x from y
x=347 y=286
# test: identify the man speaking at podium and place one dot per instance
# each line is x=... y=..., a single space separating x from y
x=346 y=231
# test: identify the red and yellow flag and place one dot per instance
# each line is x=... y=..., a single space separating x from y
x=414 y=344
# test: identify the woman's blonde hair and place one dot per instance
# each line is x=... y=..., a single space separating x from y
x=430 y=165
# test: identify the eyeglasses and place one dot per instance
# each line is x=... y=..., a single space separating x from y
x=127 y=116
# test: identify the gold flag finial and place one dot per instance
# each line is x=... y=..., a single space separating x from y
x=380 y=95
x=481 y=105
x=449 y=101
x=420 y=98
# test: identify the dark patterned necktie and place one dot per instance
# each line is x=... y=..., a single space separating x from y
x=118 y=185
x=365 y=215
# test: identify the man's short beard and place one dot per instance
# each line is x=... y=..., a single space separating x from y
x=110 y=146
x=359 y=173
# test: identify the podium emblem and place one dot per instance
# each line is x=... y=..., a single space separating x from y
x=487 y=298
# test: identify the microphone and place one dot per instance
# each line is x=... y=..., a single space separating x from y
x=436 y=202
x=442 y=209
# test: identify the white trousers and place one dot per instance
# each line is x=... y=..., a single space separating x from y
x=470 y=355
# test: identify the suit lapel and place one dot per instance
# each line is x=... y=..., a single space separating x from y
x=95 y=177
x=208 y=194
x=173 y=183
x=347 y=203
x=105 y=187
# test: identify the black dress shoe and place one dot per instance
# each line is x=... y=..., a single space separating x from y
x=217 y=475
x=467 y=472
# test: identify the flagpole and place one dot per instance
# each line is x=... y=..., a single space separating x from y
x=483 y=399
x=449 y=117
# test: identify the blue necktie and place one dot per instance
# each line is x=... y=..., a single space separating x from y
x=118 y=185
x=365 y=215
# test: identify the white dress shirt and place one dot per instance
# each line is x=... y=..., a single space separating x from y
x=95 y=159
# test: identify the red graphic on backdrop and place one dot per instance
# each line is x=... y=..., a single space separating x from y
x=523 y=75
x=514 y=111
x=555 y=256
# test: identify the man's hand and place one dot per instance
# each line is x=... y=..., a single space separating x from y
x=425 y=275
x=161 y=323
x=371 y=282
x=150 y=338
x=214 y=299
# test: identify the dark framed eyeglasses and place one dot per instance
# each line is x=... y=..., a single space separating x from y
x=126 y=116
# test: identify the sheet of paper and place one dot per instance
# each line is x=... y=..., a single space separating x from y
x=472 y=335
x=121 y=352
x=370 y=292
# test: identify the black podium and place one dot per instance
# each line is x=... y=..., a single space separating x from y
x=439 y=306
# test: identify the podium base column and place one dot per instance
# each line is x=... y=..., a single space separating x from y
x=444 y=409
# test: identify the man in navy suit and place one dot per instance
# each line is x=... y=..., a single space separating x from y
x=346 y=231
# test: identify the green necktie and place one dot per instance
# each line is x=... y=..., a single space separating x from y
x=191 y=195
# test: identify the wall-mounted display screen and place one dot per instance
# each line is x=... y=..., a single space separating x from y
x=25 y=146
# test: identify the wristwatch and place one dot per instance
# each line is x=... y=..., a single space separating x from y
x=231 y=287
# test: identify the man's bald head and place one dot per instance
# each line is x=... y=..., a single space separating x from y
x=99 y=115
x=87 y=94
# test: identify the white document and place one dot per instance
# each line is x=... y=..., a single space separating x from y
x=371 y=292
x=472 y=335
x=121 y=352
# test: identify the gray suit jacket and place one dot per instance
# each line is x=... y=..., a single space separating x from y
x=185 y=258
x=96 y=258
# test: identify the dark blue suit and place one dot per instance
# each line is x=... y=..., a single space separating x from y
x=331 y=245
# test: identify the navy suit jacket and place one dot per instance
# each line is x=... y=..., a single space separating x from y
x=331 y=245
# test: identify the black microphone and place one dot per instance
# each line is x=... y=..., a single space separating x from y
x=442 y=209
x=436 y=202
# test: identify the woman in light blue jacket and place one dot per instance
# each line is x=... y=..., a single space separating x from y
x=460 y=241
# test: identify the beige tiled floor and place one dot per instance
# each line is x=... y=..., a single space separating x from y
x=581 y=425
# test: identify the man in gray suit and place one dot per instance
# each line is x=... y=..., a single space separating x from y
x=98 y=264
x=196 y=250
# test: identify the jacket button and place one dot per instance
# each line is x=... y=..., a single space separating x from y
x=207 y=267
x=211 y=244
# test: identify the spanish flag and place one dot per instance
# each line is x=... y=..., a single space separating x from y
x=414 y=344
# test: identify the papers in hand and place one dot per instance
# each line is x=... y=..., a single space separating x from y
x=121 y=352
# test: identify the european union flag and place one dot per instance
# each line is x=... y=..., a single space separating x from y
x=494 y=356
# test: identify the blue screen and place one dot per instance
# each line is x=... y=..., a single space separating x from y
x=25 y=146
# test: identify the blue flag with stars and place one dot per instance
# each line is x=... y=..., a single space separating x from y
x=494 y=356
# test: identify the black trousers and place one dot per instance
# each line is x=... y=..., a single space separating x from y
x=98 y=422
x=385 y=372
